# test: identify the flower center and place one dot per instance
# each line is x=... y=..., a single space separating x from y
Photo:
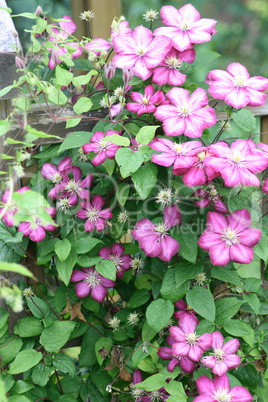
x=64 y=204
x=92 y=279
x=155 y=396
x=145 y=101
x=59 y=37
x=72 y=186
x=230 y=236
x=178 y=148
x=118 y=262
x=93 y=214
x=173 y=62
x=103 y=144
x=161 y=230
x=56 y=178
x=184 y=111
x=201 y=156
x=237 y=157
x=141 y=51
x=185 y=26
x=192 y=338
x=222 y=395
x=219 y=354
x=240 y=82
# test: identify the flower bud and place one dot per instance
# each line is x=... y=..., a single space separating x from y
x=20 y=62
x=39 y=12
x=127 y=75
x=109 y=70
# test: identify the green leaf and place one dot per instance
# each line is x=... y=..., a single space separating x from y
x=201 y=301
x=65 y=364
x=62 y=249
x=18 y=398
x=146 y=134
x=38 y=307
x=117 y=139
x=186 y=270
x=31 y=16
x=176 y=389
x=138 y=298
x=25 y=360
x=237 y=328
x=252 y=284
x=103 y=345
x=86 y=244
x=188 y=242
x=152 y=383
x=65 y=268
x=84 y=261
x=158 y=313
x=145 y=179
x=56 y=96
x=19 y=269
x=122 y=192
x=63 y=76
x=170 y=288
x=28 y=326
x=10 y=349
x=261 y=249
x=248 y=376
x=226 y=275
x=39 y=134
x=204 y=56
x=107 y=269
x=21 y=387
x=41 y=374
x=54 y=337
x=245 y=120
x=5 y=90
x=253 y=301
x=4 y=314
x=128 y=161
x=109 y=165
x=82 y=105
x=87 y=356
x=4 y=126
x=84 y=79
x=226 y=308
x=75 y=140
x=72 y=122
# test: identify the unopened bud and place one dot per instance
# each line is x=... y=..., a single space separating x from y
x=20 y=62
x=109 y=70
x=127 y=75
x=39 y=12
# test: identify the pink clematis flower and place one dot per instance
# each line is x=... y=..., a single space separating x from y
x=36 y=229
x=187 y=114
x=142 y=396
x=185 y=311
x=218 y=390
x=154 y=240
x=237 y=163
x=187 y=342
x=210 y=197
x=185 y=27
x=95 y=216
x=235 y=86
x=168 y=72
x=10 y=205
x=57 y=173
x=98 y=46
x=91 y=282
x=121 y=28
x=100 y=146
x=115 y=254
x=166 y=353
x=59 y=36
x=140 y=51
x=229 y=238
x=223 y=357
x=146 y=103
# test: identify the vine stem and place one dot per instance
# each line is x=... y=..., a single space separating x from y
x=58 y=379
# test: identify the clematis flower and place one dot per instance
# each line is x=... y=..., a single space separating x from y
x=235 y=86
x=36 y=229
x=218 y=390
x=223 y=357
x=10 y=206
x=91 y=282
x=120 y=27
x=187 y=342
x=229 y=238
x=185 y=311
x=142 y=396
x=100 y=146
x=95 y=216
x=57 y=173
x=187 y=114
x=168 y=72
x=115 y=254
x=154 y=240
x=210 y=197
x=140 y=51
x=237 y=163
x=166 y=353
x=98 y=46
x=185 y=27
x=146 y=103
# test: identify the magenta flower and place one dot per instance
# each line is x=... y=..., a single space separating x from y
x=166 y=353
x=98 y=46
x=211 y=198
x=187 y=114
x=185 y=27
x=236 y=88
x=95 y=216
x=115 y=254
x=122 y=28
x=140 y=51
x=218 y=390
x=237 y=163
x=146 y=103
x=187 y=342
x=100 y=146
x=59 y=36
x=91 y=282
x=168 y=72
x=223 y=357
x=142 y=396
x=10 y=205
x=229 y=238
x=154 y=240
x=57 y=173
x=36 y=229
x=185 y=311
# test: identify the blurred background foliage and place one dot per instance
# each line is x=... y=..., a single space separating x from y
x=242 y=27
